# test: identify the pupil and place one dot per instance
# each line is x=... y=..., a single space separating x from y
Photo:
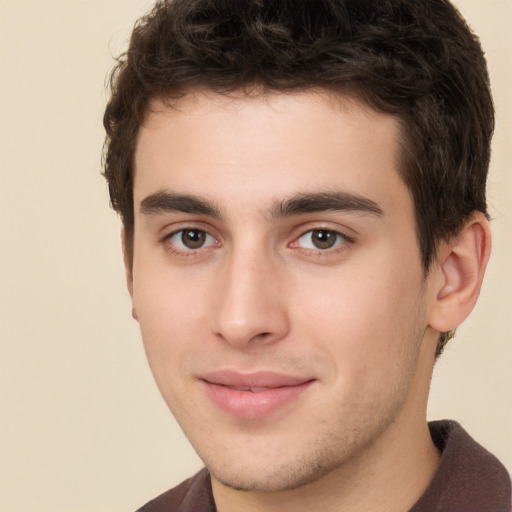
x=193 y=238
x=324 y=239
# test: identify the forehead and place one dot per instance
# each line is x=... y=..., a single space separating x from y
x=255 y=148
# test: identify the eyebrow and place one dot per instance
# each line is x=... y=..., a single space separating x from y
x=163 y=201
x=325 y=201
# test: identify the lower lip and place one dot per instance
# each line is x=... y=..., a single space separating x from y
x=252 y=405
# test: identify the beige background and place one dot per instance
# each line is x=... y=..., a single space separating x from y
x=82 y=427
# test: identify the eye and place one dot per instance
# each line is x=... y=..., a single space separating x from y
x=191 y=239
x=321 y=239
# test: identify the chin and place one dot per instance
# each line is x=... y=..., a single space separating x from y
x=282 y=477
x=281 y=481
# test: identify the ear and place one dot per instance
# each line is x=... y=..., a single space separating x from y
x=461 y=264
x=128 y=268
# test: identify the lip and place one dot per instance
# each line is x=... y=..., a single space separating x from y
x=253 y=395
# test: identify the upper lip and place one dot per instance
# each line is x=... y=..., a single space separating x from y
x=260 y=379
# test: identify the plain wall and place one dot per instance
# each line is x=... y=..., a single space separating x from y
x=82 y=426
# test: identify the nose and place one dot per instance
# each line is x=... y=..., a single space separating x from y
x=251 y=306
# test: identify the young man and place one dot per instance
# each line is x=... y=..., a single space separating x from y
x=302 y=189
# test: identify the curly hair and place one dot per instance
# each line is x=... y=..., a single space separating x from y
x=414 y=59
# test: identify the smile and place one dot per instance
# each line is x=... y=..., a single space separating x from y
x=252 y=396
x=247 y=388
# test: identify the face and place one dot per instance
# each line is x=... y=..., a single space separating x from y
x=277 y=281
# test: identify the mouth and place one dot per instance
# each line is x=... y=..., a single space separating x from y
x=248 y=388
x=255 y=395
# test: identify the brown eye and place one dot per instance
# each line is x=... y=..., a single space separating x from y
x=193 y=238
x=189 y=240
x=321 y=239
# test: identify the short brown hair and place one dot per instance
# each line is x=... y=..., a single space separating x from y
x=414 y=59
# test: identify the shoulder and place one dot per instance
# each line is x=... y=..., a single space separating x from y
x=194 y=494
x=468 y=477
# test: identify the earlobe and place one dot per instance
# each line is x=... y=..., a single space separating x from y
x=461 y=267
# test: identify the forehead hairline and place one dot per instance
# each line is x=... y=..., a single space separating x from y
x=346 y=100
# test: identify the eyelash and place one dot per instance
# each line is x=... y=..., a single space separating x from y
x=340 y=244
x=188 y=252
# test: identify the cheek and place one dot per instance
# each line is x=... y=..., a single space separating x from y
x=167 y=303
x=172 y=319
x=354 y=319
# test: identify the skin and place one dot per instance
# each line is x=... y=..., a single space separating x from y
x=257 y=293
